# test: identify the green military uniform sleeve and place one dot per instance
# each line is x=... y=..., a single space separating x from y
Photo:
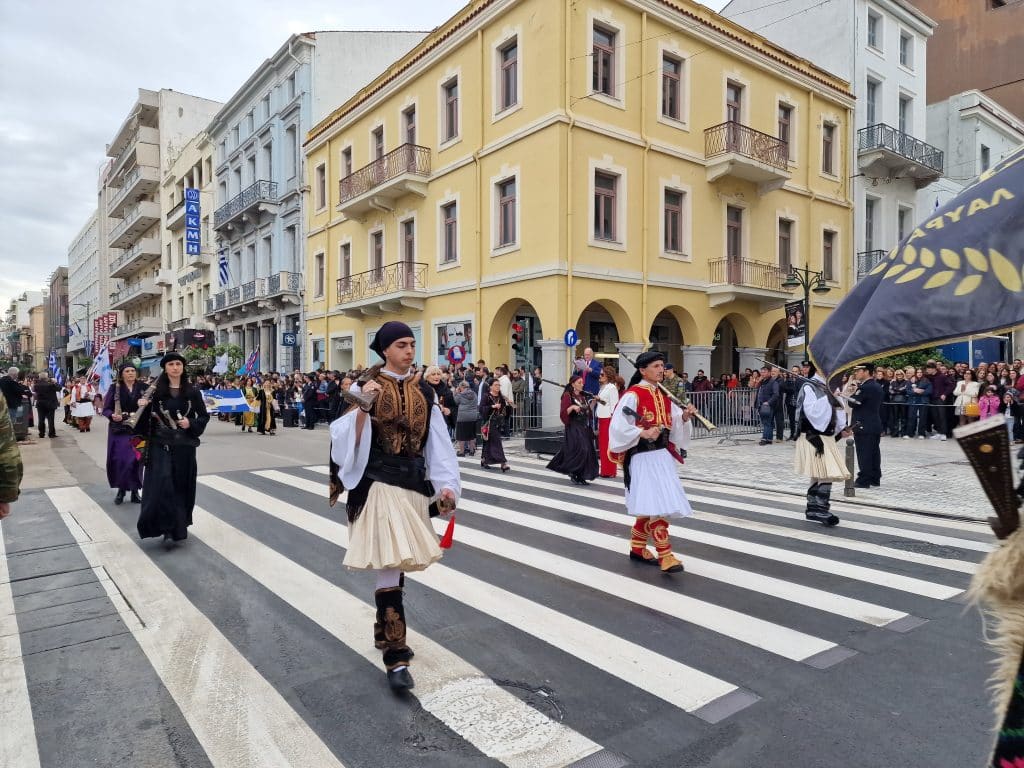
x=11 y=468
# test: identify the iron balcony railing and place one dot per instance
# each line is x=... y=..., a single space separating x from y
x=393 y=278
x=126 y=185
x=125 y=257
x=260 y=192
x=130 y=217
x=184 y=322
x=743 y=272
x=868 y=260
x=884 y=136
x=249 y=291
x=283 y=282
x=743 y=140
x=408 y=158
x=275 y=284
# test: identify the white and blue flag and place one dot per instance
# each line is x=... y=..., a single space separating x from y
x=222 y=266
x=225 y=401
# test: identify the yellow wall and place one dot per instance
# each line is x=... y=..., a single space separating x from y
x=553 y=141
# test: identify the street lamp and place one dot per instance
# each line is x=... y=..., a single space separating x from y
x=88 y=322
x=809 y=280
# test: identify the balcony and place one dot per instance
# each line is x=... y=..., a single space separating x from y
x=136 y=221
x=273 y=292
x=250 y=202
x=385 y=290
x=742 y=279
x=137 y=293
x=140 y=327
x=738 y=151
x=140 y=255
x=886 y=153
x=200 y=259
x=164 y=277
x=143 y=146
x=868 y=260
x=142 y=181
x=175 y=218
x=377 y=186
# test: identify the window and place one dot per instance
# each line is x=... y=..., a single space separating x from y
x=250 y=124
x=321 y=186
x=871 y=102
x=874 y=30
x=986 y=158
x=902 y=219
x=828 y=135
x=345 y=267
x=509 y=75
x=671 y=87
x=451 y=109
x=250 y=168
x=734 y=233
x=346 y=162
x=318 y=275
x=506 y=212
x=734 y=103
x=409 y=123
x=268 y=162
x=377 y=257
x=828 y=255
x=290 y=86
x=906 y=50
x=234 y=136
x=869 y=224
x=377 y=141
x=904 y=114
x=786 y=128
x=450 y=230
x=605 y=188
x=785 y=244
x=291 y=148
x=265 y=107
x=604 y=61
x=673 y=221
x=409 y=241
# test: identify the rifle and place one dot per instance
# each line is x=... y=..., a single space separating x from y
x=668 y=393
x=820 y=385
x=584 y=392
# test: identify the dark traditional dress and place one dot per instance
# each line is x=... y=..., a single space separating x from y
x=577 y=458
x=266 y=419
x=124 y=468
x=493 y=421
x=169 y=489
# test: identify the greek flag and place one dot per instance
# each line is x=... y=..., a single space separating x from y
x=225 y=401
x=222 y=265
x=55 y=371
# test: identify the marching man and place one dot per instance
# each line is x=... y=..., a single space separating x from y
x=395 y=458
x=821 y=417
x=646 y=433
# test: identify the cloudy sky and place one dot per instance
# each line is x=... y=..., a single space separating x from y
x=71 y=70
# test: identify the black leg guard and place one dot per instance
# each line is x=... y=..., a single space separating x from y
x=378 y=628
x=391 y=620
x=819 y=510
x=812 y=498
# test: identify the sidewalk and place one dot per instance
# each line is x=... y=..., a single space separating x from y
x=926 y=476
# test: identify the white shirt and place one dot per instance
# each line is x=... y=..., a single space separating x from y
x=818 y=410
x=623 y=433
x=610 y=395
x=506 y=387
x=441 y=464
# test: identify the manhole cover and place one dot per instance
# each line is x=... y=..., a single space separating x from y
x=924 y=548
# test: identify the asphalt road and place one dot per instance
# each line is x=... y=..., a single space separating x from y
x=538 y=642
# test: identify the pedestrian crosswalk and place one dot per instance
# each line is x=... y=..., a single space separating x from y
x=532 y=636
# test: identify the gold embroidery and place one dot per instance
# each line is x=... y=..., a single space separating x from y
x=401 y=413
x=394 y=627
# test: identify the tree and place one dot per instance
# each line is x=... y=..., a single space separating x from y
x=917 y=358
x=208 y=357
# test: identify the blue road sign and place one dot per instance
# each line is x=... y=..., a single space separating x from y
x=571 y=338
x=288 y=339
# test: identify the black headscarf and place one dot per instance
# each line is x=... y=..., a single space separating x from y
x=389 y=333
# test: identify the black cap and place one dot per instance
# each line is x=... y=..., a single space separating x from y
x=646 y=358
x=171 y=357
x=389 y=333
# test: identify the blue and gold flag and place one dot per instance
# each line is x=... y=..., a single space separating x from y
x=959 y=273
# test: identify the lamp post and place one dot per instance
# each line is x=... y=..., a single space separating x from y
x=88 y=322
x=809 y=280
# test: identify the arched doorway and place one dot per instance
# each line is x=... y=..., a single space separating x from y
x=514 y=335
x=601 y=326
x=725 y=358
x=777 y=343
x=671 y=329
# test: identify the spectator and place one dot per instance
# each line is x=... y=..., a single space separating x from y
x=701 y=382
x=590 y=369
x=898 y=388
x=16 y=393
x=988 y=404
x=672 y=383
x=766 y=398
x=11 y=469
x=468 y=415
x=46 y=403
x=919 y=392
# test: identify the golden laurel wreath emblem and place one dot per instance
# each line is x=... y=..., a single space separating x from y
x=910 y=264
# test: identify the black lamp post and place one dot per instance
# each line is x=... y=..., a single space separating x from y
x=809 y=280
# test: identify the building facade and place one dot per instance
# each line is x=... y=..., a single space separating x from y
x=34 y=356
x=20 y=342
x=637 y=194
x=978 y=44
x=259 y=195
x=87 y=288
x=887 y=64
x=57 y=319
x=157 y=127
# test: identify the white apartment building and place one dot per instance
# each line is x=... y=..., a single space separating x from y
x=18 y=326
x=188 y=253
x=87 y=283
x=157 y=127
x=880 y=47
x=260 y=196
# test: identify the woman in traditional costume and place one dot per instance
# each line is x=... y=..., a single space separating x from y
x=124 y=469
x=493 y=407
x=577 y=457
x=266 y=423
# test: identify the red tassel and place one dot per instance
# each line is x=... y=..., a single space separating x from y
x=446 y=540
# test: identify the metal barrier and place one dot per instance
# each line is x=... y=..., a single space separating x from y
x=731 y=410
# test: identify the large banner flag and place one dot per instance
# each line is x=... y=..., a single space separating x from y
x=222 y=364
x=252 y=364
x=959 y=273
x=55 y=372
x=101 y=371
x=225 y=401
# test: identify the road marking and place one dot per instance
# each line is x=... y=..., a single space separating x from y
x=680 y=685
x=237 y=716
x=495 y=721
x=773 y=638
x=18 y=744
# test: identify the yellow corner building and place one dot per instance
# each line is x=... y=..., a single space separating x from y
x=641 y=171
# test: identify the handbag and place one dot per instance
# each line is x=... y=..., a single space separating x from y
x=766 y=410
x=972 y=409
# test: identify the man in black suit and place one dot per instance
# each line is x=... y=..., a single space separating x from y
x=867 y=426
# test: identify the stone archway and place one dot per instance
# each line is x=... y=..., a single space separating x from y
x=671 y=329
x=602 y=325
x=513 y=334
x=777 y=343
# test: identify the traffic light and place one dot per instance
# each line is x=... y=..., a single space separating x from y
x=517 y=337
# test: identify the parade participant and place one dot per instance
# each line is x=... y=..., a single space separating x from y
x=82 y=408
x=493 y=406
x=576 y=458
x=866 y=403
x=248 y=418
x=607 y=399
x=646 y=433
x=124 y=469
x=821 y=417
x=394 y=457
x=267 y=420
x=174 y=418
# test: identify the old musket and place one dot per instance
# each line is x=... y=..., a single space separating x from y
x=585 y=394
x=668 y=393
x=820 y=385
x=358 y=398
x=133 y=418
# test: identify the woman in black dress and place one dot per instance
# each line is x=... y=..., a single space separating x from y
x=492 y=418
x=267 y=418
x=577 y=458
x=171 y=424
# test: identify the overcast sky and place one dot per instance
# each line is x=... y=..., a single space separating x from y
x=71 y=70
